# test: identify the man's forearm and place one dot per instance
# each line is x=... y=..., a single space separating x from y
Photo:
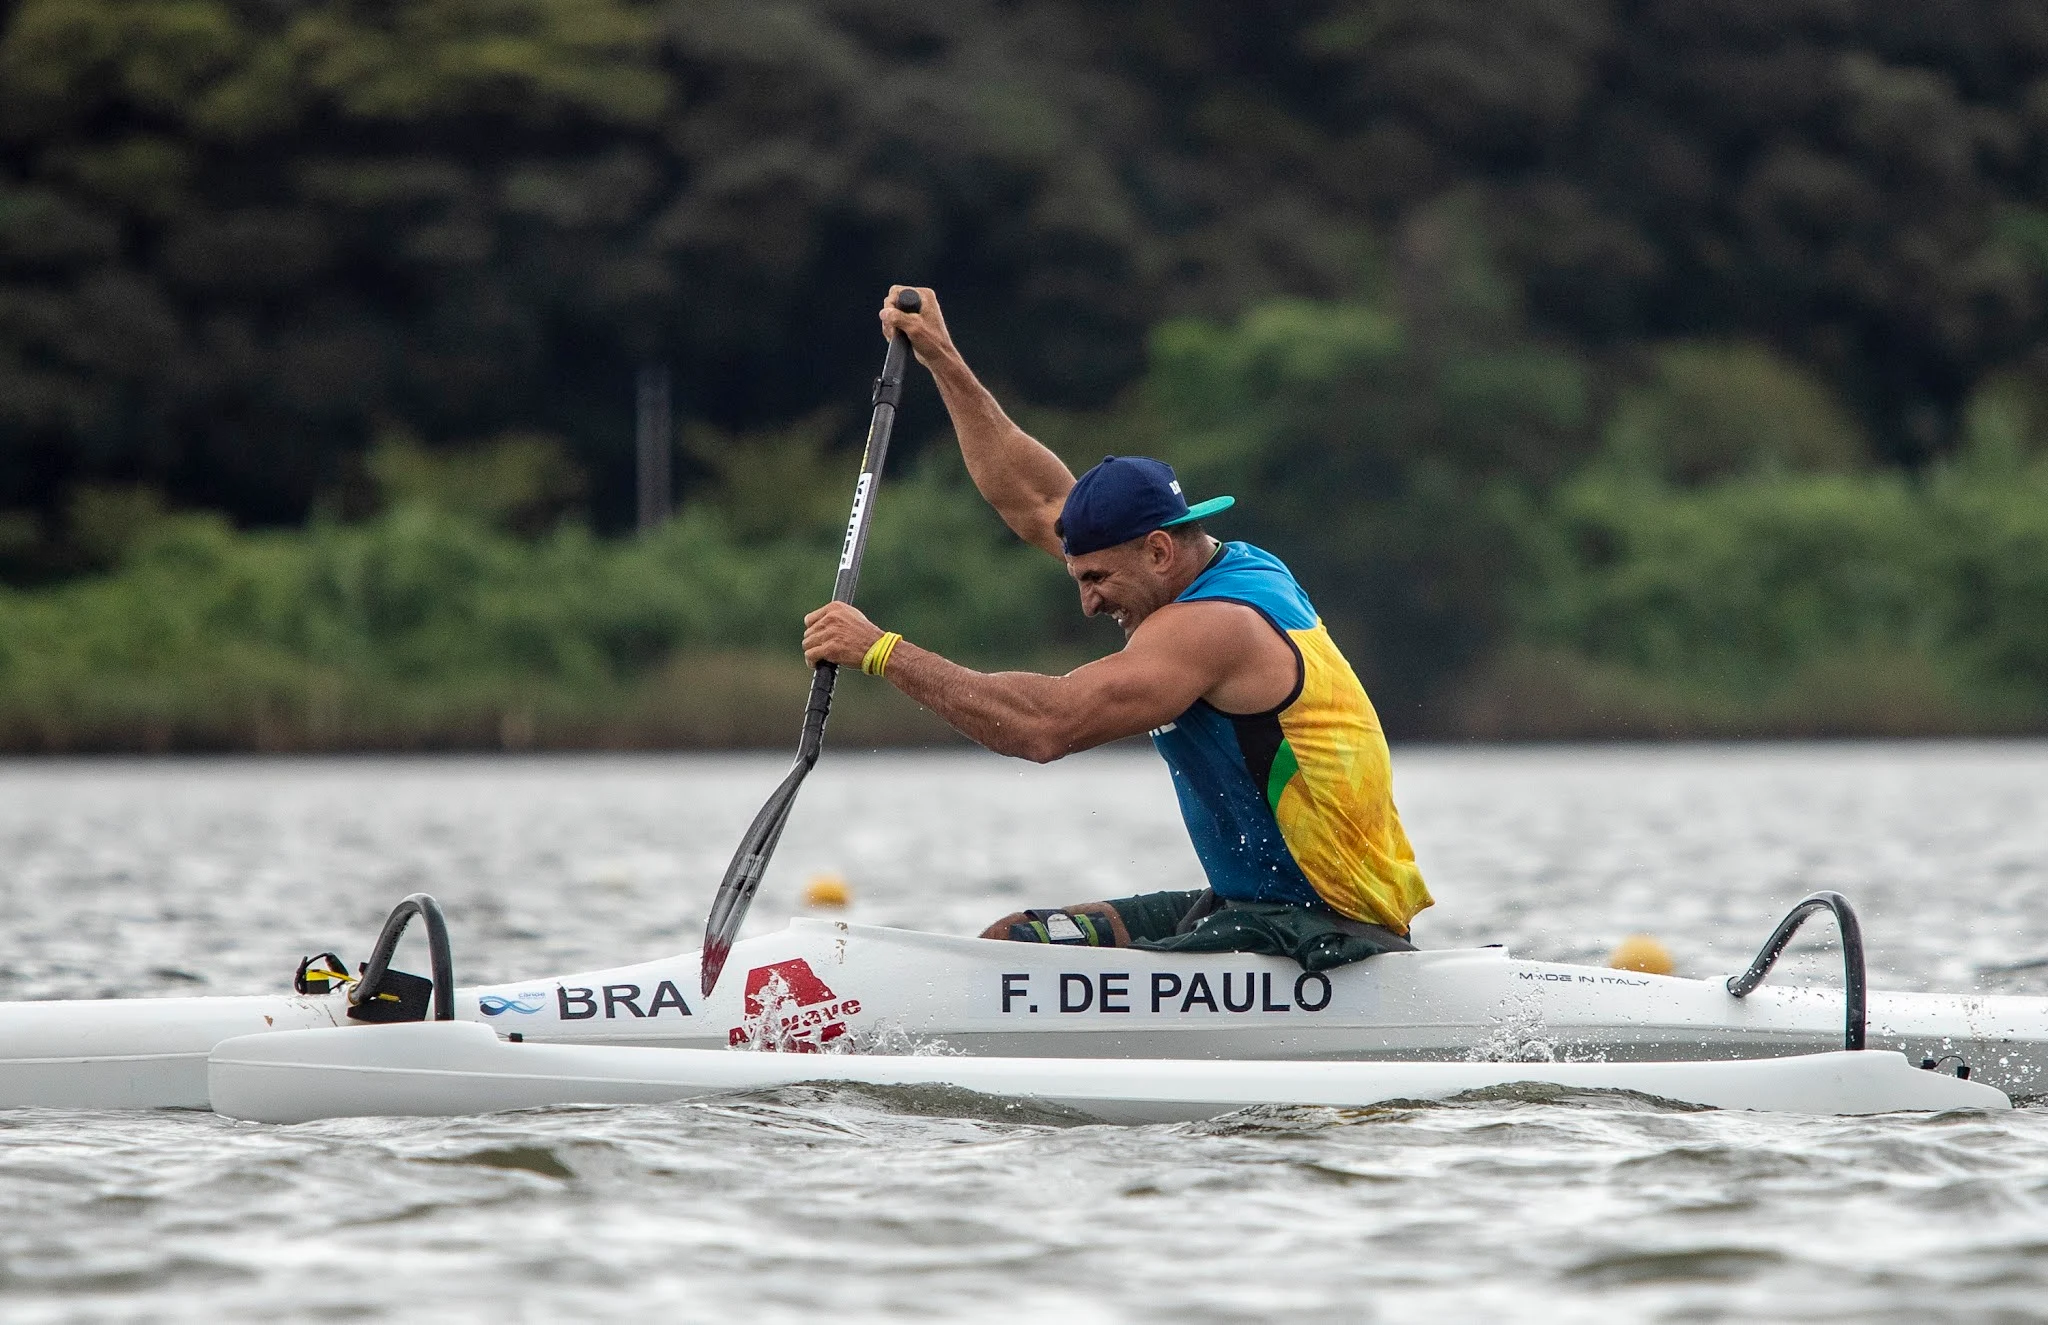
x=1011 y=713
x=1014 y=472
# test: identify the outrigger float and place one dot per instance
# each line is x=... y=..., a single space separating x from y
x=1111 y=1034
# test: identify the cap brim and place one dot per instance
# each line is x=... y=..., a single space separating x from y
x=1202 y=510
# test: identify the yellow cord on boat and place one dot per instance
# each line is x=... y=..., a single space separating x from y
x=878 y=653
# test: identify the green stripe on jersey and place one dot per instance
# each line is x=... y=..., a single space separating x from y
x=1284 y=768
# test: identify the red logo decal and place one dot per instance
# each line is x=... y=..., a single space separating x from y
x=789 y=1008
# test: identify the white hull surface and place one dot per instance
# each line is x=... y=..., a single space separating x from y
x=449 y=1068
x=134 y=1053
x=822 y=984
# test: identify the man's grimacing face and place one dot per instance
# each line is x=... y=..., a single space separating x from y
x=1128 y=582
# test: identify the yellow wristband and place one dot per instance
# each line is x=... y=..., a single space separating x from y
x=878 y=653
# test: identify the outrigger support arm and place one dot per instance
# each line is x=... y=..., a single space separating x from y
x=429 y=911
x=1854 y=989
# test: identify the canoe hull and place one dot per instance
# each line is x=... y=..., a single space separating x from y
x=847 y=985
x=449 y=1068
x=821 y=985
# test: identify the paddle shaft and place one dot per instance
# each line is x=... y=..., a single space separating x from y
x=888 y=394
x=750 y=862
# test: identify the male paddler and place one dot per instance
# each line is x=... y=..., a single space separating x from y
x=1277 y=756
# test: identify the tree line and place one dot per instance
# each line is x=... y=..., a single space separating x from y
x=1416 y=279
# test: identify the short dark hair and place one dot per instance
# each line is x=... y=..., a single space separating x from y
x=1179 y=533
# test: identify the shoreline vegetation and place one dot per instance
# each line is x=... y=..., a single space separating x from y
x=749 y=701
x=1776 y=605
x=1702 y=548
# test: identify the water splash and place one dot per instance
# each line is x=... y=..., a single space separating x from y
x=770 y=1023
x=1520 y=1035
x=893 y=1040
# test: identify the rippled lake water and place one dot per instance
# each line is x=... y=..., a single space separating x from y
x=150 y=878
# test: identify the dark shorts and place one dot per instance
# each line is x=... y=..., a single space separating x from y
x=1147 y=917
x=1318 y=938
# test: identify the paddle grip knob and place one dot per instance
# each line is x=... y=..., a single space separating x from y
x=889 y=386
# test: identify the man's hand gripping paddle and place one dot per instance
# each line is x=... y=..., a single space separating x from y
x=750 y=862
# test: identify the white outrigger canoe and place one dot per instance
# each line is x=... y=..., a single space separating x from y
x=1115 y=1034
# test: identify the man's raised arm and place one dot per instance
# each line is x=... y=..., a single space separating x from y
x=1025 y=482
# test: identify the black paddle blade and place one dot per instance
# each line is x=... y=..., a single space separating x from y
x=743 y=877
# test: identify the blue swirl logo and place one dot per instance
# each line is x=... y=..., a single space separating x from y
x=491 y=1005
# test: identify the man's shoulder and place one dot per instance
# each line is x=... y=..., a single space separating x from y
x=1203 y=628
x=1257 y=579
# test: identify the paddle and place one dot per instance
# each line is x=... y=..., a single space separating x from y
x=750 y=862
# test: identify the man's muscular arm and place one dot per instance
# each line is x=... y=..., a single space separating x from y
x=1181 y=652
x=1025 y=483
x=1029 y=715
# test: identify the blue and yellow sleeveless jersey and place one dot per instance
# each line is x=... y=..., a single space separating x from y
x=1296 y=803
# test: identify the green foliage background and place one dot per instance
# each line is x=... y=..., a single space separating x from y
x=1611 y=367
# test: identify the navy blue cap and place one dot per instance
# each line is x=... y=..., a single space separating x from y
x=1126 y=497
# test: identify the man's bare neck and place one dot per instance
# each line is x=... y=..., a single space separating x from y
x=1188 y=567
x=1195 y=559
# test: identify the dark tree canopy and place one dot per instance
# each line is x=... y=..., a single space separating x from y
x=241 y=239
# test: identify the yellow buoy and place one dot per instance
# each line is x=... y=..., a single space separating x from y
x=827 y=890
x=1641 y=952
